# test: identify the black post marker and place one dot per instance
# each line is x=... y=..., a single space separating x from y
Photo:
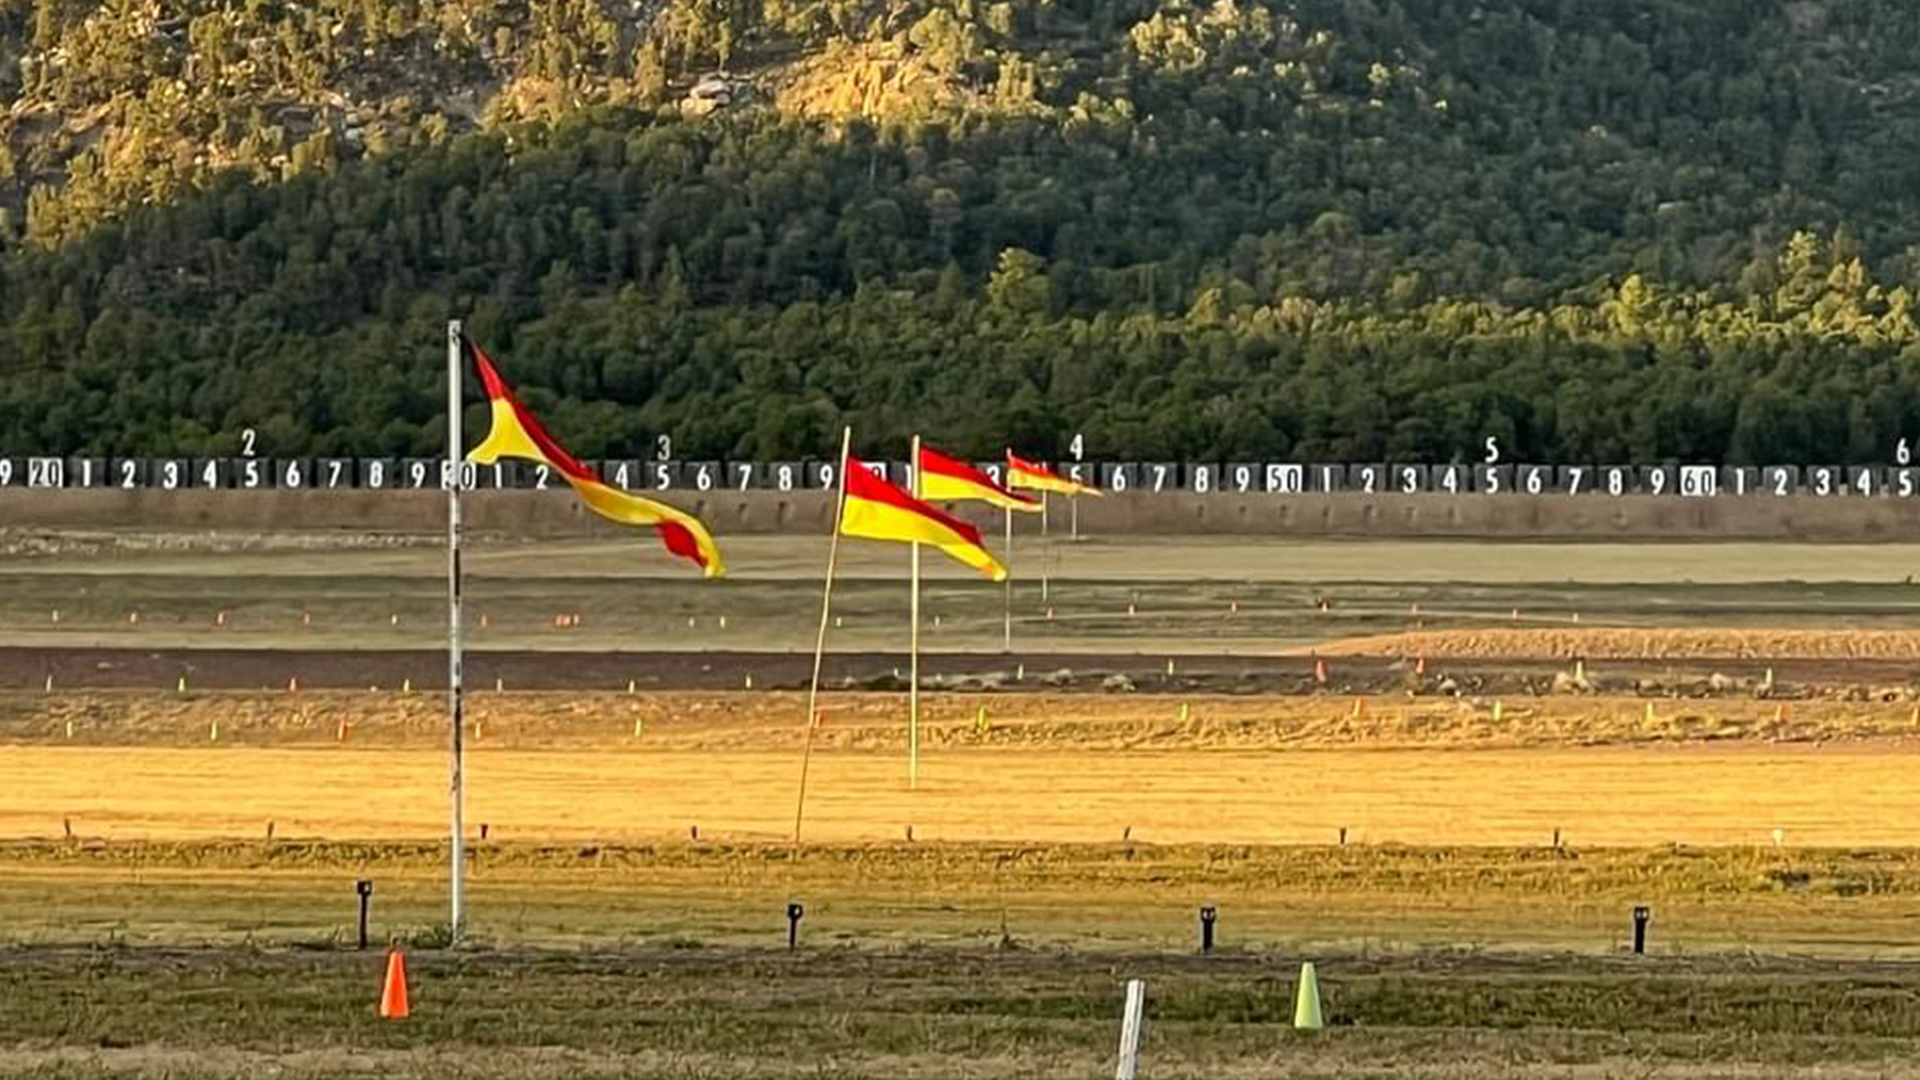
x=1641 y=916
x=1208 y=916
x=365 y=889
x=794 y=912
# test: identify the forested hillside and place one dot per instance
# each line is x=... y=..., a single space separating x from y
x=1298 y=229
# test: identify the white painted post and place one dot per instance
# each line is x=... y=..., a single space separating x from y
x=1132 y=1026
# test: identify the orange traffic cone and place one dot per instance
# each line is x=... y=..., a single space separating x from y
x=393 y=997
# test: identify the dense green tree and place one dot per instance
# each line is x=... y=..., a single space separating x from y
x=1305 y=229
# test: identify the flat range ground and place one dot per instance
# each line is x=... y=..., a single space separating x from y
x=1513 y=746
x=1189 y=596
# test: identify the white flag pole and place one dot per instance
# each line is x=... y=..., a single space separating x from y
x=913 y=642
x=456 y=349
x=820 y=642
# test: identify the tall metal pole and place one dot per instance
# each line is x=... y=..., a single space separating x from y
x=913 y=642
x=1046 y=547
x=820 y=642
x=1006 y=593
x=456 y=349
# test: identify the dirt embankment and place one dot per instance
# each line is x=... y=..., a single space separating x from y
x=860 y=721
x=1631 y=644
x=1583 y=519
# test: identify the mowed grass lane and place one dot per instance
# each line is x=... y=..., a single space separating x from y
x=942 y=1013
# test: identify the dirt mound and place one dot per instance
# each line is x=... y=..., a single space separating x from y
x=1630 y=644
x=699 y=723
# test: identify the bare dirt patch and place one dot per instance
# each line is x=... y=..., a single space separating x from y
x=1636 y=644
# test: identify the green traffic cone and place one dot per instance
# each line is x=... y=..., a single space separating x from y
x=1306 y=1005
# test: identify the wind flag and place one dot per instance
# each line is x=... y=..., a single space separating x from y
x=877 y=510
x=1022 y=473
x=945 y=479
x=516 y=434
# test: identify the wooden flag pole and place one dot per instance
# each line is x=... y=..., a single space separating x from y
x=820 y=641
x=913 y=641
x=456 y=349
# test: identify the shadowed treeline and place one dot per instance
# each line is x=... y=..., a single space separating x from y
x=1306 y=230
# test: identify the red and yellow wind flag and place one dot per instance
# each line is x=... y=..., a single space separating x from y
x=516 y=434
x=1022 y=473
x=877 y=510
x=945 y=479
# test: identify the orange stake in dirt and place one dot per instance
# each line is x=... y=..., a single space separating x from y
x=1320 y=671
x=293 y=685
x=393 y=996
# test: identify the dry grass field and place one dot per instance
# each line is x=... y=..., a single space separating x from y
x=1458 y=850
x=946 y=1013
x=1042 y=768
x=1701 y=795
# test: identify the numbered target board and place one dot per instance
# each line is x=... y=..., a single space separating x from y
x=783 y=476
x=654 y=471
x=1367 y=479
x=84 y=473
x=702 y=476
x=1159 y=476
x=1283 y=479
